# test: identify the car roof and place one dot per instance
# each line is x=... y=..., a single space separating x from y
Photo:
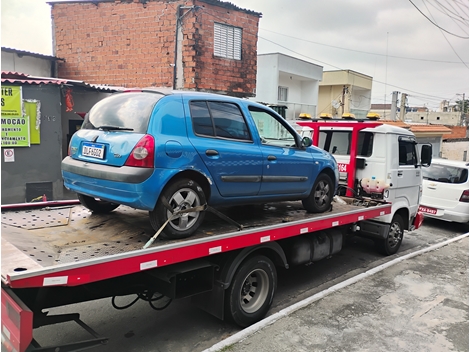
x=166 y=91
x=447 y=162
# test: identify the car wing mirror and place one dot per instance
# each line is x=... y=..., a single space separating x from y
x=306 y=142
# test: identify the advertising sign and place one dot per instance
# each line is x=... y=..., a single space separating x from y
x=12 y=102
x=15 y=126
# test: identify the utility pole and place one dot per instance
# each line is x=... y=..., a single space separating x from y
x=345 y=90
x=393 y=106
x=403 y=106
x=462 y=111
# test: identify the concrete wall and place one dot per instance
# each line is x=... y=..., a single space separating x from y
x=436 y=143
x=435 y=118
x=30 y=65
x=455 y=150
x=37 y=163
x=133 y=44
x=267 y=79
x=357 y=98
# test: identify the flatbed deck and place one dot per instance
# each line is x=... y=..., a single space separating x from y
x=68 y=246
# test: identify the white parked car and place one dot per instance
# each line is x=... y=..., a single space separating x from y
x=445 y=190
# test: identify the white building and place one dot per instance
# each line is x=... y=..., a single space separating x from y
x=287 y=81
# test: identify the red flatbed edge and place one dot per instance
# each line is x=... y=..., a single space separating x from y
x=69 y=246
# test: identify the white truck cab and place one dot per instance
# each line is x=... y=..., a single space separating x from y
x=377 y=162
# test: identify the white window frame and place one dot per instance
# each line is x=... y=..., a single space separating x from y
x=227 y=41
x=282 y=92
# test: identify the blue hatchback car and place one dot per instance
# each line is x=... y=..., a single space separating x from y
x=174 y=153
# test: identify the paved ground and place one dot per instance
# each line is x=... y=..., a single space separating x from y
x=415 y=303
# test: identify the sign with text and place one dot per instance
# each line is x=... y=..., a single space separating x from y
x=15 y=131
x=12 y=101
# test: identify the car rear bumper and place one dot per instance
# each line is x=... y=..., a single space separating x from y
x=114 y=184
x=458 y=214
x=125 y=174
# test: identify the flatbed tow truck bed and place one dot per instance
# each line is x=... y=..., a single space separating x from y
x=59 y=253
x=67 y=245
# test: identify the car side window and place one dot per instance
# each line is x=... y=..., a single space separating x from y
x=218 y=119
x=271 y=131
x=407 y=152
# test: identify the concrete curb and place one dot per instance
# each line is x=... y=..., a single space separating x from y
x=289 y=310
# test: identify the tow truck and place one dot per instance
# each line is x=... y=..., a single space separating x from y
x=56 y=253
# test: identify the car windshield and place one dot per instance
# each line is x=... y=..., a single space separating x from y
x=128 y=111
x=445 y=174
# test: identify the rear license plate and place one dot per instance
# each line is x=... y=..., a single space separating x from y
x=427 y=210
x=93 y=150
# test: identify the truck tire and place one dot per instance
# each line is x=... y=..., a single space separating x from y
x=180 y=194
x=392 y=243
x=251 y=292
x=96 y=205
x=319 y=199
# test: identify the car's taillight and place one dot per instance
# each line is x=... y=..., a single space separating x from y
x=464 y=196
x=143 y=153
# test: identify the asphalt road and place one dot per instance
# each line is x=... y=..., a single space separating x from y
x=183 y=327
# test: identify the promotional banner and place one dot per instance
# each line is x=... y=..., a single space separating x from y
x=12 y=101
x=15 y=125
x=15 y=132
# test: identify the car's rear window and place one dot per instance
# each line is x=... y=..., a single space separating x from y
x=126 y=111
x=445 y=174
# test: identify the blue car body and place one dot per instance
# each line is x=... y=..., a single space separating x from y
x=234 y=163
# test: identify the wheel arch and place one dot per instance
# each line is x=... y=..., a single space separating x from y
x=200 y=178
x=405 y=215
x=272 y=250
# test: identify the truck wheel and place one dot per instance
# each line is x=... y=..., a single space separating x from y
x=321 y=195
x=181 y=194
x=392 y=243
x=251 y=292
x=96 y=205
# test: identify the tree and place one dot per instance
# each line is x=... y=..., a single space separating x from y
x=463 y=105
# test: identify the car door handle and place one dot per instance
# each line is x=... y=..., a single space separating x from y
x=271 y=157
x=211 y=152
x=400 y=173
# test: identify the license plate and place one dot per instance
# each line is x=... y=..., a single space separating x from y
x=427 y=210
x=93 y=150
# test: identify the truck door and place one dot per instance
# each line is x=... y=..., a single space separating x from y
x=406 y=176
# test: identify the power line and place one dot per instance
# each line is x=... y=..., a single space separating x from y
x=340 y=68
x=446 y=38
x=360 y=51
x=456 y=35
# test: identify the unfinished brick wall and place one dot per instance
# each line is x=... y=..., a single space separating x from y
x=132 y=44
x=237 y=77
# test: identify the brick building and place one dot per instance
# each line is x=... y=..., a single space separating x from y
x=205 y=45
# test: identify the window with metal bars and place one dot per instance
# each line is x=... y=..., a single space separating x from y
x=227 y=41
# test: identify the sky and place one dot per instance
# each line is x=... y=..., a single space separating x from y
x=416 y=47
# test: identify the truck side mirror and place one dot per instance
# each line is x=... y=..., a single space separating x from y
x=426 y=155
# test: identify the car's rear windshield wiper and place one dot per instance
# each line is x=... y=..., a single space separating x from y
x=114 y=128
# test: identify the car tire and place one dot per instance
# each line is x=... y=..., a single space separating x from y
x=180 y=194
x=251 y=293
x=392 y=243
x=96 y=205
x=321 y=196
